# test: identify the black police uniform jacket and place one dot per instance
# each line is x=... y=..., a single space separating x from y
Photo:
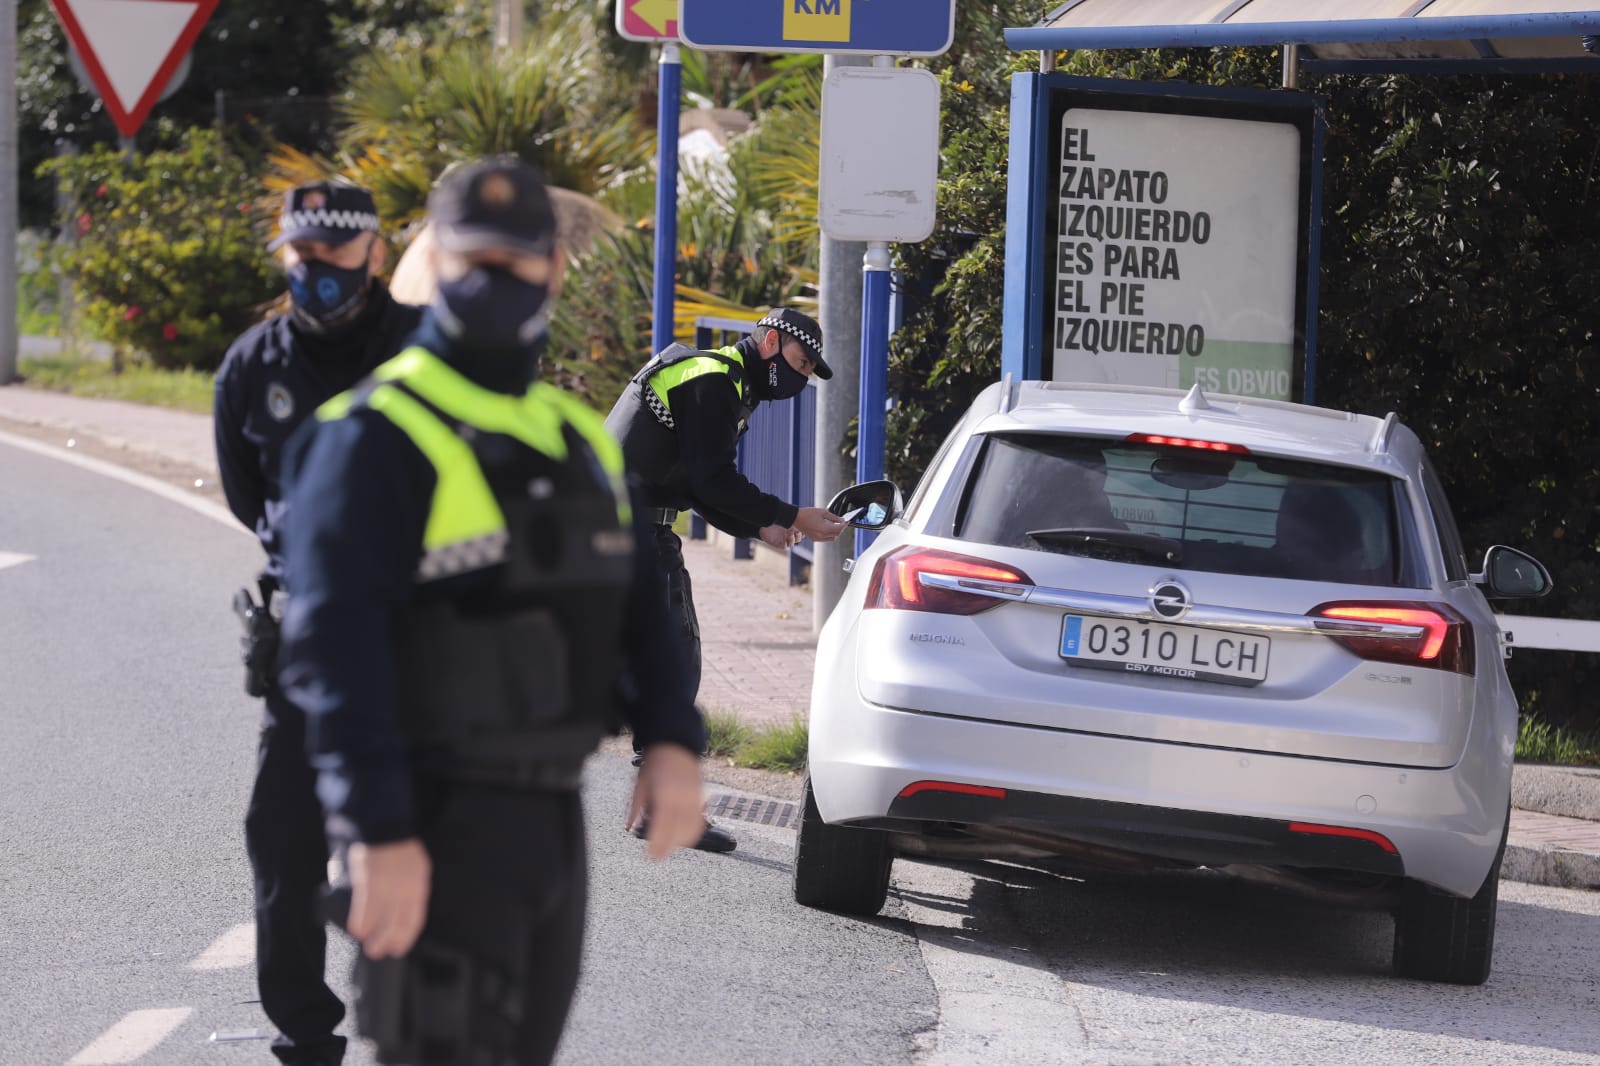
x=273 y=376
x=360 y=494
x=693 y=464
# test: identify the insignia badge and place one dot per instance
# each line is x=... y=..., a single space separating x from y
x=497 y=191
x=280 y=402
x=315 y=200
x=1169 y=599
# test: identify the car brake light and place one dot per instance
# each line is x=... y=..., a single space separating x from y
x=1187 y=442
x=986 y=791
x=1442 y=639
x=897 y=581
x=1368 y=835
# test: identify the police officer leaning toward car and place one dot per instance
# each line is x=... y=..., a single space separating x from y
x=341 y=324
x=680 y=420
x=470 y=580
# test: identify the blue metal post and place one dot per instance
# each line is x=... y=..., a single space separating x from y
x=871 y=433
x=671 y=86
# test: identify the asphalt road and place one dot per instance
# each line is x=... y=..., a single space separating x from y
x=125 y=754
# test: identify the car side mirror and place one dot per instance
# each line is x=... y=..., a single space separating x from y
x=869 y=505
x=1509 y=573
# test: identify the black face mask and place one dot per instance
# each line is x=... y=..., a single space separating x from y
x=777 y=380
x=492 y=310
x=325 y=296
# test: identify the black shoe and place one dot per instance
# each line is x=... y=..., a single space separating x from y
x=713 y=838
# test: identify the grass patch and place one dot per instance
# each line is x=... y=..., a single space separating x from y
x=781 y=748
x=185 y=390
x=1539 y=741
x=728 y=734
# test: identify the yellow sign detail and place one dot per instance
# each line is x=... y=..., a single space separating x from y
x=816 y=20
x=659 y=15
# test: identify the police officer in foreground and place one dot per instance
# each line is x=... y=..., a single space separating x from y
x=680 y=421
x=341 y=324
x=470 y=581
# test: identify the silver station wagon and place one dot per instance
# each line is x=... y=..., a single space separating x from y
x=1121 y=623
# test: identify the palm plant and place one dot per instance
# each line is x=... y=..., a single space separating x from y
x=409 y=113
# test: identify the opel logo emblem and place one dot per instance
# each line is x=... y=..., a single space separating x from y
x=1170 y=600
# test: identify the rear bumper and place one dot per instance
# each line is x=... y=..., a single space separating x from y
x=1197 y=837
x=1188 y=803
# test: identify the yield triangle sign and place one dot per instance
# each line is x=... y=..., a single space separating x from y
x=131 y=48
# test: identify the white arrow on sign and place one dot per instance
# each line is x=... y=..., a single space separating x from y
x=13 y=559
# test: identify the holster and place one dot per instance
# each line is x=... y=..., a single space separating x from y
x=416 y=1010
x=258 y=647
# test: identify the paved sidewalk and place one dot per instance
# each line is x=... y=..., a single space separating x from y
x=757 y=629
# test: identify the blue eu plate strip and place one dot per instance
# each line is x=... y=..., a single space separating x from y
x=1069 y=636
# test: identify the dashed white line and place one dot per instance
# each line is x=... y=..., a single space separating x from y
x=13 y=559
x=236 y=947
x=131 y=1038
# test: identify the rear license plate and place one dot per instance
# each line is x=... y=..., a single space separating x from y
x=1164 y=650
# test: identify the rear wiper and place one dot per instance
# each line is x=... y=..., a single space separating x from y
x=1163 y=549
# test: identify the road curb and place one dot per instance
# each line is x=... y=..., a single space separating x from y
x=1554 y=867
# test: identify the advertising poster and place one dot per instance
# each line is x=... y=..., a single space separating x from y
x=1177 y=251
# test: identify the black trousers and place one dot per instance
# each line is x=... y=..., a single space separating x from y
x=289 y=856
x=509 y=896
x=680 y=599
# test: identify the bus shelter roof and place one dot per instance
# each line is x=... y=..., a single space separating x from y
x=1341 y=36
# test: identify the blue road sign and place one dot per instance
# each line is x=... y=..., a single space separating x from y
x=870 y=27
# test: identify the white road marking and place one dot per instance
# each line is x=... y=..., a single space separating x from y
x=13 y=559
x=236 y=947
x=132 y=1037
x=198 y=504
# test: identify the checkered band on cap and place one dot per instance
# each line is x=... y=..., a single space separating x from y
x=805 y=337
x=326 y=218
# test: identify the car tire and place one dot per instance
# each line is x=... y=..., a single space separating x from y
x=1440 y=937
x=839 y=868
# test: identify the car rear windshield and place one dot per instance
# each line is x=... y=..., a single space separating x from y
x=1193 y=509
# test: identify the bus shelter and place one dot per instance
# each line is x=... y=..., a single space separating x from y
x=1168 y=234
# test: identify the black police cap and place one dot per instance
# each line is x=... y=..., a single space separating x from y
x=498 y=203
x=329 y=211
x=802 y=328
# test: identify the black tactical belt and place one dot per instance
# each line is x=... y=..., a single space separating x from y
x=660 y=516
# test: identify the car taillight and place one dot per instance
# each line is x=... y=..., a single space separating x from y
x=1187 y=442
x=897 y=581
x=1443 y=641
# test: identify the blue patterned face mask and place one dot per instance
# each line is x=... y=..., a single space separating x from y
x=491 y=309
x=327 y=296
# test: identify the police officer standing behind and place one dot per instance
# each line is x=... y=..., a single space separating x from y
x=341 y=324
x=468 y=572
x=680 y=421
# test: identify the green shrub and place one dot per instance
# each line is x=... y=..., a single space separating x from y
x=777 y=747
x=1539 y=741
x=38 y=294
x=726 y=733
x=166 y=260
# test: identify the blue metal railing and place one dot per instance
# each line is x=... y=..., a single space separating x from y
x=778 y=453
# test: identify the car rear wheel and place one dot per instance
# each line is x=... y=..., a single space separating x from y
x=1440 y=937
x=837 y=867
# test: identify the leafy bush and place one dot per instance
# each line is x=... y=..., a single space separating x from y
x=167 y=261
x=38 y=294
